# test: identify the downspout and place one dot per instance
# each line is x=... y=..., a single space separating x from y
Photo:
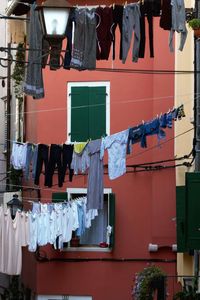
x=8 y=116
x=197 y=123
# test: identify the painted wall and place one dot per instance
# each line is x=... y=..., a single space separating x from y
x=145 y=202
x=184 y=94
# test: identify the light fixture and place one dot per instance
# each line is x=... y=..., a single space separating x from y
x=54 y=17
x=15 y=204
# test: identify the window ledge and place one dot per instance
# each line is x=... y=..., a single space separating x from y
x=87 y=249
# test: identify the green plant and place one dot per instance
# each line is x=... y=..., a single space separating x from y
x=144 y=288
x=194 y=24
x=19 y=72
x=189 y=293
x=15 y=291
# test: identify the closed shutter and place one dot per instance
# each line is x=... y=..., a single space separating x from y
x=97 y=112
x=181 y=218
x=193 y=210
x=59 y=197
x=112 y=218
x=88 y=113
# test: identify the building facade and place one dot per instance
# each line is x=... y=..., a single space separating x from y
x=143 y=215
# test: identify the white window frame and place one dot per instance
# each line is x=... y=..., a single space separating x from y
x=70 y=85
x=82 y=248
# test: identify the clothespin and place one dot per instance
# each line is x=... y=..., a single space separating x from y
x=113 y=5
x=143 y=122
x=125 y=4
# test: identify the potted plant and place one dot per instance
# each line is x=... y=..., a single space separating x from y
x=195 y=25
x=146 y=283
x=188 y=293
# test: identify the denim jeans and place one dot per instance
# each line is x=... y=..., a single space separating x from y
x=131 y=21
x=30 y=158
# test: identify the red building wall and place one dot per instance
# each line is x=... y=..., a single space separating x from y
x=145 y=202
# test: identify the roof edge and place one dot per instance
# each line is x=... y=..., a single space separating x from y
x=10 y=8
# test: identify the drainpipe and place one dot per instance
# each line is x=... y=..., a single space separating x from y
x=8 y=116
x=197 y=122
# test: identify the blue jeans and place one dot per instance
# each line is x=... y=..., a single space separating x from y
x=31 y=156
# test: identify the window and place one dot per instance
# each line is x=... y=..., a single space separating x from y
x=88 y=110
x=99 y=231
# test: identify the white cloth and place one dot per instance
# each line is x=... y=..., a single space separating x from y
x=12 y=238
x=18 y=156
x=32 y=222
x=43 y=226
x=74 y=210
x=116 y=145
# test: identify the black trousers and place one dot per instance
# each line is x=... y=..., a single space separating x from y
x=67 y=159
x=117 y=20
x=42 y=158
x=55 y=161
x=144 y=11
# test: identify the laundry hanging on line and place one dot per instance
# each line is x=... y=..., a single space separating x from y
x=91 y=34
x=80 y=158
x=47 y=223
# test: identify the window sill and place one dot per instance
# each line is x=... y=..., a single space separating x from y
x=87 y=249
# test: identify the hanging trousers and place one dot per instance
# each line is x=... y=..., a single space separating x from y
x=131 y=21
x=42 y=158
x=117 y=20
x=67 y=159
x=55 y=161
x=144 y=10
x=31 y=157
x=68 y=53
x=104 y=31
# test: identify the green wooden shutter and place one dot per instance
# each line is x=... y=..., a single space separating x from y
x=59 y=197
x=193 y=210
x=112 y=218
x=79 y=114
x=97 y=112
x=181 y=218
x=88 y=113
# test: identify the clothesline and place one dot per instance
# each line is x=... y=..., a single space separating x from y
x=68 y=142
x=45 y=223
x=83 y=23
x=79 y=157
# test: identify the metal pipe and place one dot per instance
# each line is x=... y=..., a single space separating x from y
x=8 y=117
